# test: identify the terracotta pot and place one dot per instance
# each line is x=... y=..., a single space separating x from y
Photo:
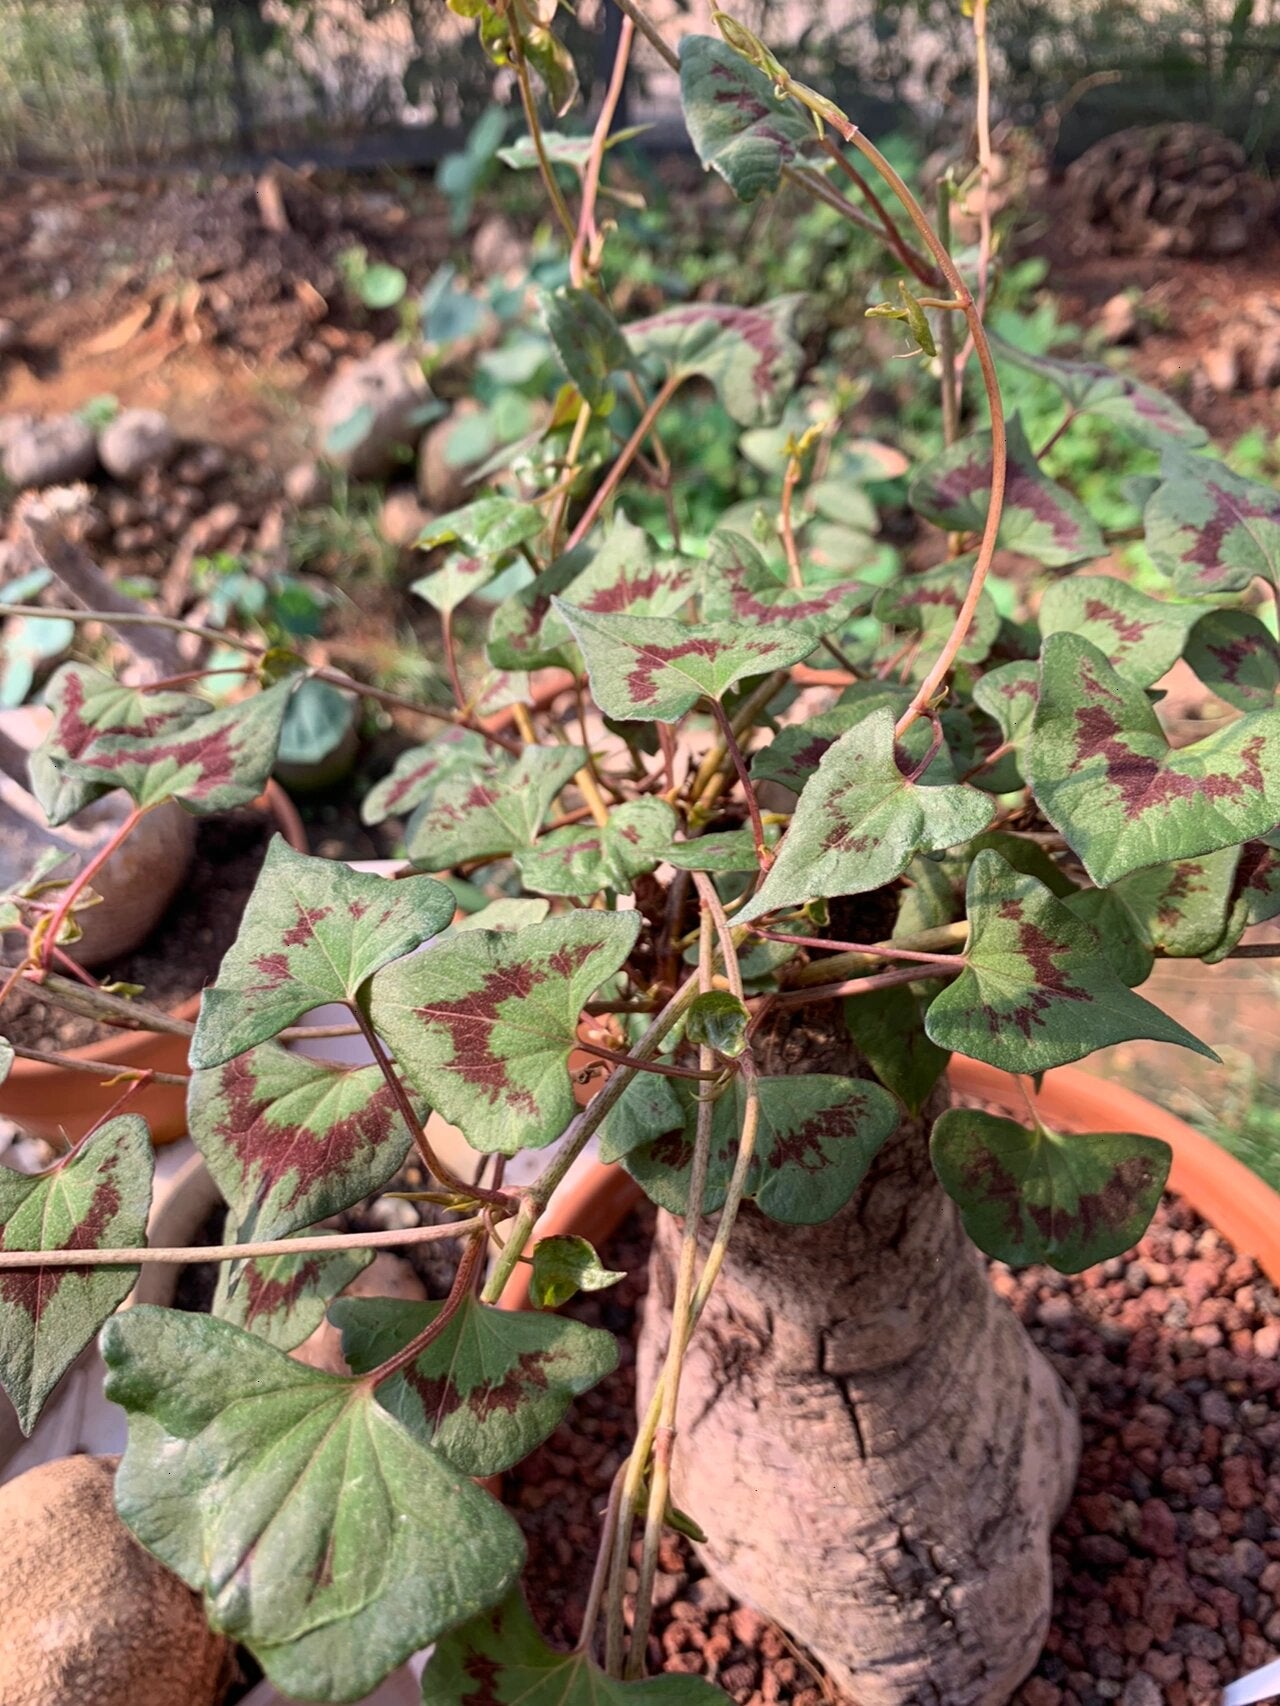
x=46 y=1100
x=1236 y=1202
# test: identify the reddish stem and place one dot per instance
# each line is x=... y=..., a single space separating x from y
x=626 y=457
x=856 y=986
x=949 y=960
x=76 y=887
x=763 y=857
x=458 y=1293
x=616 y=1059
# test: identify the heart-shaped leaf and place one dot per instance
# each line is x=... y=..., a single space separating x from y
x=519 y=1669
x=1094 y=389
x=797 y=749
x=582 y=859
x=461 y=575
x=589 y=342
x=1140 y=637
x=564 y=1266
x=1237 y=658
x=483 y=814
x=490 y=1389
x=417 y=772
x=1211 y=530
x=290 y=1141
x=736 y=122
x=283 y=1298
x=1009 y=695
x=96 y=1198
x=219 y=761
x=749 y=355
x=562 y=150
x=1181 y=909
x=314 y=932
x=1036 y=992
x=320 y=1533
x=1039 y=519
x=1119 y=935
x=1105 y=775
x=860 y=821
x=646 y=669
x=929 y=604
x=889 y=1031
x=733 y=850
x=484 y=1024
x=718 y=1020
x=1029 y=1196
x=486 y=528
x=739 y=586
x=817 y=1137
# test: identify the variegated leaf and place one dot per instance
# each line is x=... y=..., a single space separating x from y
x=282 y=1299
x=483 y=814
x=860 y=821
x=1237 y=658
x=314 y=932
x=736 y=122
x=483 y=1024
x=490 y=1389
x=1091 y=388
x=928 y=604
x=739 y=586
x=590 y=343
x=749 y=355
x=417 y=772
x=456 y=580
x=1140 y=637
x=1105 y=775
x=486 y=528
x=627 y=576
x=582 y=859
x=95 y=1198
x=1036 y=992
x=1211 y=530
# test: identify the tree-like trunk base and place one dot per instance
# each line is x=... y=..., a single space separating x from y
x=872 y=1443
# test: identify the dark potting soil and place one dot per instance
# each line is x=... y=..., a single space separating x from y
x=1166 y=1565
x=184 y=950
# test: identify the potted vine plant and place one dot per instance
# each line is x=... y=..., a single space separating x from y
x=981 y=847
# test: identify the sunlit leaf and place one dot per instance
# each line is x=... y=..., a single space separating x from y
x=96 y=1198
x=736 y=122
x=564 y=1266
x=928 y=604
x=417 y=772
x=282 y=1299
x=483 y=1024
x=1032 y=1195
x=1140 y=637
x=490 y=1389
x=1211 y=530
x=319 y=1532
x=1105 y=775
x=1035 y=991
x=482 y=813
x=485 y=528
x=860 y=821
x=1237 y=658
x=739 y=586
x=581 y=859
x=732 y=850
x=627 y=576
x=749 y=355
x=460 y=576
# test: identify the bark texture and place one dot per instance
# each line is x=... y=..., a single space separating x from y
x=873 y=1444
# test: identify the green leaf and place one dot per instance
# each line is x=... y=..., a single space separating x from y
x=485 y=813
x=320 y=1533
x=748 y=355
x=1211 y=530
x=483 y=1024
x=582 y=859
x=1237 y=658
x=796 y=751
x=1181 y=909
x=928 y=604
x=646 y=669
x=889 y=1030
x=562 y=150
x=719 y=1020
x=723 y=854
x=554 y=63
x=1029 y=1196
x=314 y=931
x=1036 y=992
x=96 y=1198
x=283 y=1298
x=859 y=823
x=490 y=1389
x=739 y=586
x=1091 y=388
x=87 y=706
x=589 y=342
x=564 y=1266
x=1040 y=519
x=485 y=528
x=316 y=722
x=1257 y=885
x=648 y=1107
x=1009 y=695
x=509 y=913
x=290 y=1140
x=222 y=760
x=382 y=286
x=417 y=772
x=516 y=630
x=519 y=1669
x=460 y=577
x=1119 y=937
x=818 y=1135
x=735 y=120
x=1106 y=777
x=1140 y=637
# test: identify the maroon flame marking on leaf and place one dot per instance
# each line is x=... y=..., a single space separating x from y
x=213 y=754
x=276 y=1150
x=672 y=1150
x=1022 y=491
x=1095 y=1211
x=1038 y=949
x=305 y=927
x=1180 y=887
x=630 y=834
x=840 y=838
x=437 y=1393
x=525 y=1375
x=274 y=968
x=754 y=328
x=32 y=1289
x=75 y=734
x=1141 y=781
x=803 y=1147
x=625 y=592
x=1232 y=658
x=1229 y=512
x=484 y=1672
x=470 y=1021
x=275 y=1296
x=1129 y=631
x=640 y=682
x=420 y=773
x=735 y=95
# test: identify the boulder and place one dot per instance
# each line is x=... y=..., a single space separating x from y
x=443 y=481
x=54 y=451
x=137 y=439
x=369 y=411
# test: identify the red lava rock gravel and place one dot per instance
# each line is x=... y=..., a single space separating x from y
x=1166 y=1565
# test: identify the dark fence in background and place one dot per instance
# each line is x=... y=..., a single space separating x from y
x=89 y=84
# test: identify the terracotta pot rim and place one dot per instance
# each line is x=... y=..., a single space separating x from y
x=1235 y=1201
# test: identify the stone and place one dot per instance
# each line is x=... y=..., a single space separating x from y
x=369 y=412
x=137 y=439
x=202 y=464
x=10 y=337
x=1221 y=367
x=498 y=248
x=54 y=451
x=1266 y=1342
x=1118 y=319
x=1141 y=1690
x=402 y=517
x=442 y=484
